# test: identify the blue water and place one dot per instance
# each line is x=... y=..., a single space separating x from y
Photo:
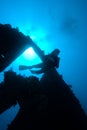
x=51 y=24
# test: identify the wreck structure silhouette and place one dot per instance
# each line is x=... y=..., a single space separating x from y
x=48 y=103
x=12 y=44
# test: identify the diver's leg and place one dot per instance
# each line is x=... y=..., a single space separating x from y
x=40 y=65
x=23 y=67
x=36 y=71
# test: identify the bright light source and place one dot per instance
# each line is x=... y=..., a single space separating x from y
x=29 y=53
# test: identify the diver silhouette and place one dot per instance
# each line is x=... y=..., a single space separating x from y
x=50 y=61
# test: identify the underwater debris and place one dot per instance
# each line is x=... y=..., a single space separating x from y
x=44 y=104
x=12 y=38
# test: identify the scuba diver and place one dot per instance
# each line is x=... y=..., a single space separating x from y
x=50 y=61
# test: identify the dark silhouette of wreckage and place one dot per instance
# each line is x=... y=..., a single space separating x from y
x=46 y=103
